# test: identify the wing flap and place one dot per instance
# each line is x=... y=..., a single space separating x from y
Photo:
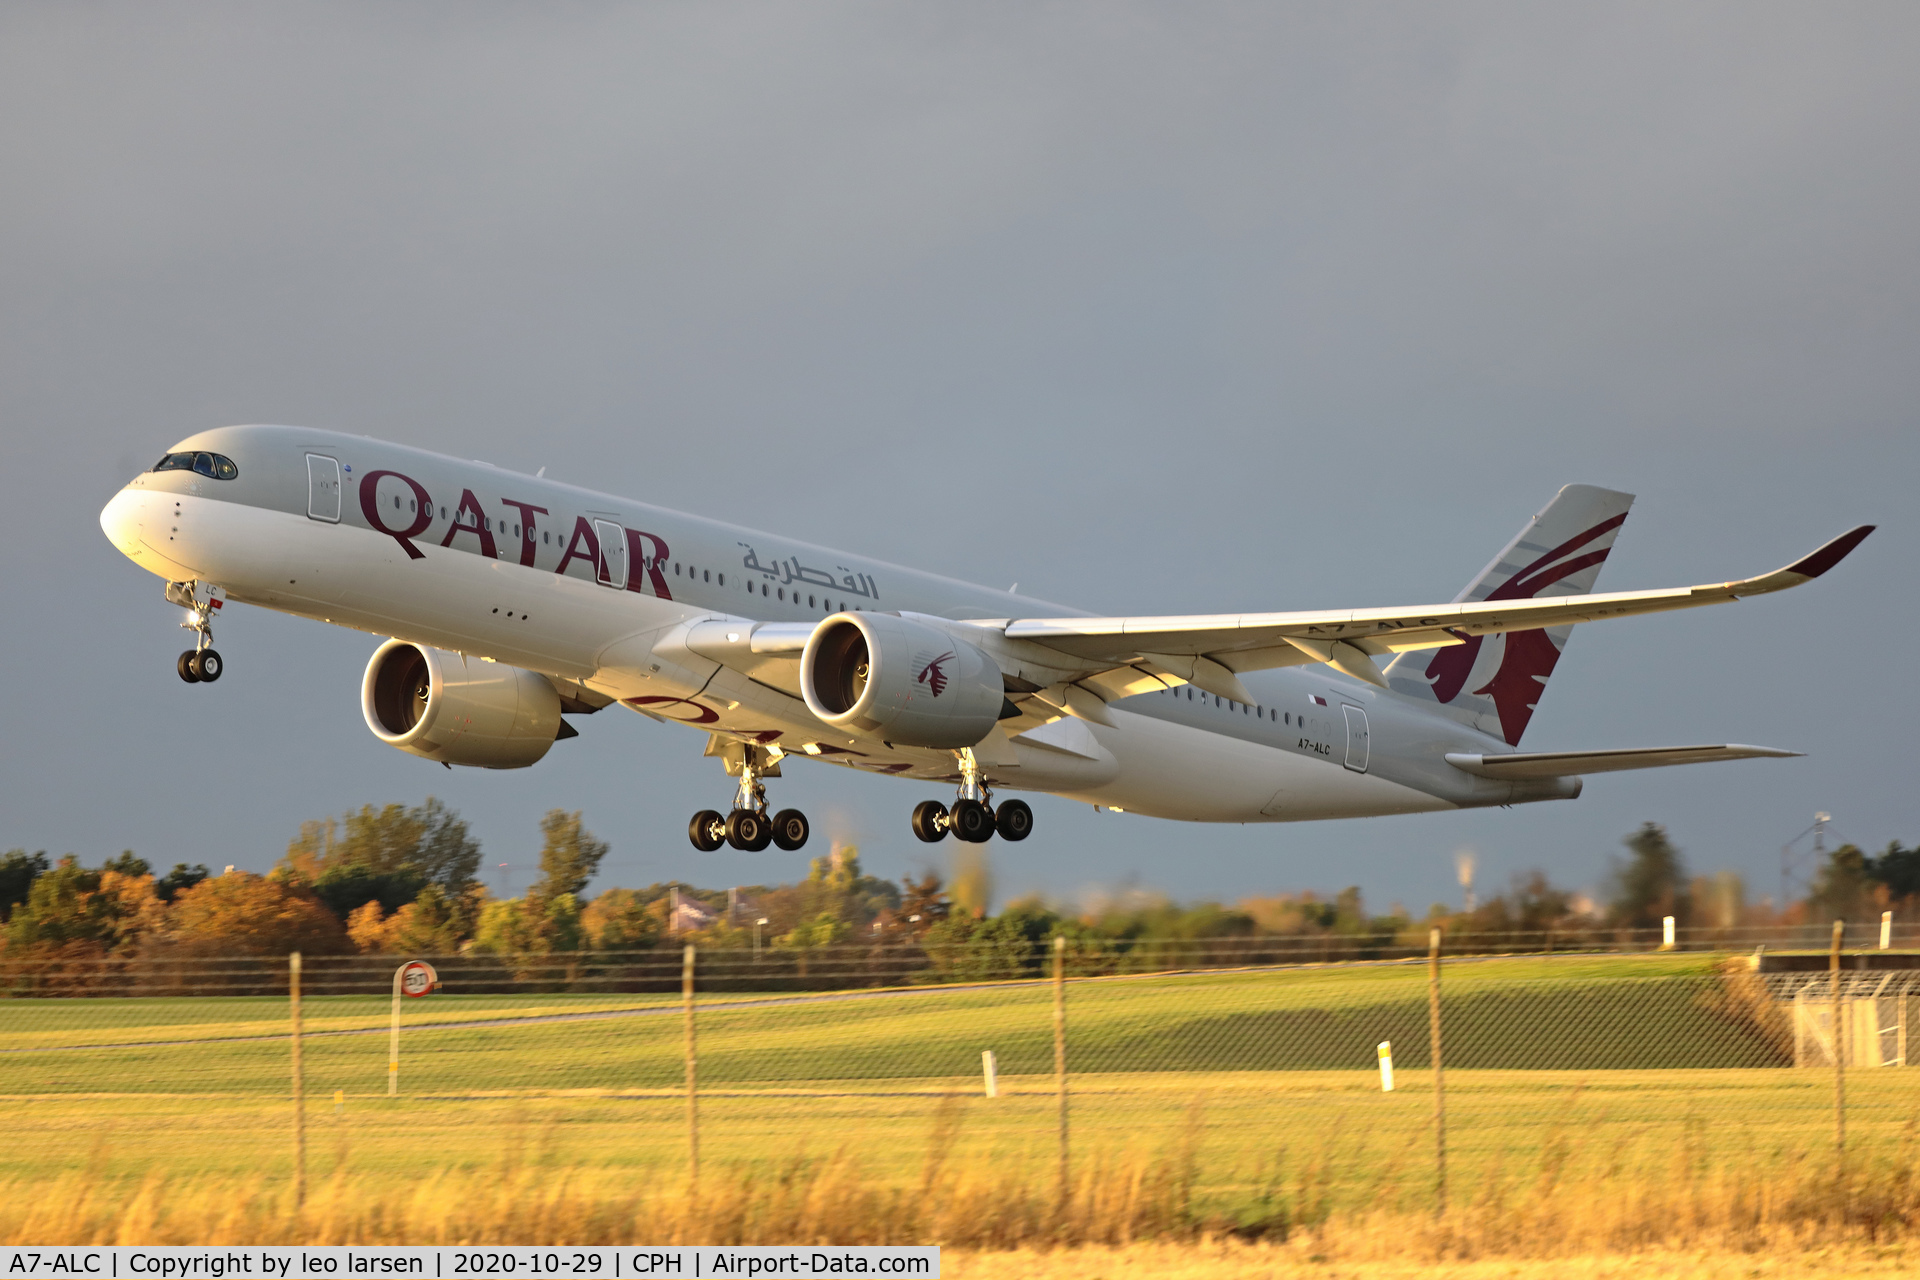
x=1562 y=764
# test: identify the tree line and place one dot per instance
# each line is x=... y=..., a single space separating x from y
x=404 y=880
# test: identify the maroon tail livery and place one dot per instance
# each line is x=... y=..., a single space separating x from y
x=1495 y=682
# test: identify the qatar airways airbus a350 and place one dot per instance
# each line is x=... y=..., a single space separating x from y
x=514 y=601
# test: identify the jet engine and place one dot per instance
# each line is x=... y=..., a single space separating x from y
x=459 y=710
x=903 y=682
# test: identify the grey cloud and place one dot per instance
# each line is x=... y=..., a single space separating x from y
x=1149 y=307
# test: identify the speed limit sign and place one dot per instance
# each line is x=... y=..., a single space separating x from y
x=417 y=978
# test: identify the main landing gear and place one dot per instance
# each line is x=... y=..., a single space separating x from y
x=974 y=817
x=202 y=663
x=748 y=827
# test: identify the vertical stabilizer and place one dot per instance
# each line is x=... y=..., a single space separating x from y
x=1494 y=682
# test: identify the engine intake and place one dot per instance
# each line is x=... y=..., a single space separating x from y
x=900 y=681
x=459 y=710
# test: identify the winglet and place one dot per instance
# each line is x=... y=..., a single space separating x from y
x=1805 y=569
x=1831 y=554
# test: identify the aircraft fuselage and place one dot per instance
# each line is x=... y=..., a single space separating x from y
x=591 y=589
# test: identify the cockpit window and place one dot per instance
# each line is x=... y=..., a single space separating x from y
x=215 y=466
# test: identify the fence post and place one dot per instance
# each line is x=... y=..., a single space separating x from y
x=1060 y=1060
x=1439 y=1077
x=693 y=1092
x=299 y=1087
x=393 y=1041
x=1839 y=1052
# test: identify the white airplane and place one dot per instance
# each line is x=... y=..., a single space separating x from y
x=514 y=601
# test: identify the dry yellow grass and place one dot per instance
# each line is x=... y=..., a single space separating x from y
x=1232 y=1260
x=1690 y=1218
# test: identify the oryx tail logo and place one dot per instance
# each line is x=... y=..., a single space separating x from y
x=934 y=674
x=1527 y=658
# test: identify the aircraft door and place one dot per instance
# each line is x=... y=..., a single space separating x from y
x=1358 y=748
x=613 y=554
x=323 y=488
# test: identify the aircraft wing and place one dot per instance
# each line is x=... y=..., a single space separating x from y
x=1208 y=649
x=1561 y=764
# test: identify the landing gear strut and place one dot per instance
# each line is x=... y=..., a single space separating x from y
x=202 y=663
x=748 y=827
x=973 y=817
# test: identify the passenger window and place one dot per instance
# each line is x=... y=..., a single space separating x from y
x=516 y=531
x=809 y=602
x=783 y=594
x=707 y=576
x=396 y=502
x=723 y=579
x=676 y=568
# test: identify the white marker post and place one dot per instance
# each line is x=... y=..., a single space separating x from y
x=415 y=978
x=990 y=1070
x=1386 y=1066
x=1666 y=933
x=1886 y=930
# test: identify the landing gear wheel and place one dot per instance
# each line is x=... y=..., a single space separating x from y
x=707 y=831
x=207 y=666
x=790 y=829
x=1013 y=820
x=930 y=821
x=971 y=821
x=185 y=667
x=748 y=831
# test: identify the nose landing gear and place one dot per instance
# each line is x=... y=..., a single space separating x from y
x=973 y=817
x=748 y=827
x=201 y=664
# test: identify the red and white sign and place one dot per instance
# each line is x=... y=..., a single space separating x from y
x=417 y=978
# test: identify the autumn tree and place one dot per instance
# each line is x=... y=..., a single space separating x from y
x=387 y=855
x=624 y=920
x=244 y=914
x=71 y=904
x=432 y=924
x=923 y=904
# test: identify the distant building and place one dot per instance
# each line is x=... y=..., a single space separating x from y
x=689 y=915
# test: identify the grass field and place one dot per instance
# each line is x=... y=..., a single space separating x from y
x=1256 y=1089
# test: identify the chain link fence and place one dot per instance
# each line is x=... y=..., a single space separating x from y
x=1259 y=1067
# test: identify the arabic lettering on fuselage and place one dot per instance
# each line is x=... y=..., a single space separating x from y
x=790 y=571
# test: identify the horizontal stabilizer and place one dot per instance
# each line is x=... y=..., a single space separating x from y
x=1561 y=764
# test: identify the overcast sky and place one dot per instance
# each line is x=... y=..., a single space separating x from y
x=1171 y=307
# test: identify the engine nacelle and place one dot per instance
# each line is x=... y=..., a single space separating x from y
x=900 y=681
x=459 y=710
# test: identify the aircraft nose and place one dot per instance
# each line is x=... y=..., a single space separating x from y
x=120 y=521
